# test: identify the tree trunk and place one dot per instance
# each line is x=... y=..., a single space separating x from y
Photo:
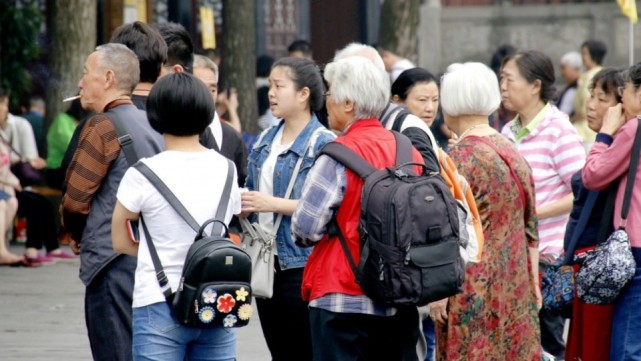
x=238 y=65
x=71 y=26
x=398 y=26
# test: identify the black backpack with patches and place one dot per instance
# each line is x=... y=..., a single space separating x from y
x=409 y=231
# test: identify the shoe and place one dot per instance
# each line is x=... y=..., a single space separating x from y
x=62 y=256
x=29 y=262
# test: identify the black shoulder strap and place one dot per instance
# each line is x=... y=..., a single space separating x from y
x=632 y=174
x=348 y=158
x=580 y=226
x=403 y=149
x=400 y=118
x=124 y=138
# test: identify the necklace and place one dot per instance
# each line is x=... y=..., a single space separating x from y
x=470 y=128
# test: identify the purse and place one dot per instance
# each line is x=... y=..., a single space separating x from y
x=607 y=270
x=557 y=283
x=259 y=244
x=23 y=170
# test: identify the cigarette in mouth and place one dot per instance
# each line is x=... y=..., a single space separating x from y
x=70 y=98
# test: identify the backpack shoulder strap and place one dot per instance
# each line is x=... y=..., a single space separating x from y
x=167 y=194
x=221 y=212
x=400 y=118
x=348 y=158
x=403 y=149
x=124 y=138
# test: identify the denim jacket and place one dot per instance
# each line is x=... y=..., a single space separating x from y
x=289 y=255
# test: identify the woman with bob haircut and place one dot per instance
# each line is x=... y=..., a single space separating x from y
x=295 y=94
x=496 y=315
x=417 y=89
x=608 y=163
x=590 y=325
x=553 y=149
x=179 y=107
x=345 y=323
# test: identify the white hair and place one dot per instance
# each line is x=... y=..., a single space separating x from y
x=201 y=61
x=572 y=59
x=469 y=89
x=359 y=80
x=365 y=51
x=123 y=62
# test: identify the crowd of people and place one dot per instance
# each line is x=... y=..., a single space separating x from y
x=525 y=158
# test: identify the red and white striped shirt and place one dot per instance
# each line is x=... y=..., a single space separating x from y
x=554 y=151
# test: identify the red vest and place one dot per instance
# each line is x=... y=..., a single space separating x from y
x=327 y=269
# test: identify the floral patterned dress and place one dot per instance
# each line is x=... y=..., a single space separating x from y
x=495 y=317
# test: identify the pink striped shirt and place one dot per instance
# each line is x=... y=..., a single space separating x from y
x=607 y=164
x=554 y=151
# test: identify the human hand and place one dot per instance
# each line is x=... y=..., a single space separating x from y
x=452 y=141
x=18 y=187
x=38 y=163
x=75 y=247
x=613 y=120
x=438 y=311
x=538 y=297
x=256 y=202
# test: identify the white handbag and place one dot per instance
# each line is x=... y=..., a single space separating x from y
x=259 y=247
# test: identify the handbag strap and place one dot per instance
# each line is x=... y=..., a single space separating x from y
x=182 y=211
x=292 y=181
x=632 y=173
x=509 y=166
x=580 y=226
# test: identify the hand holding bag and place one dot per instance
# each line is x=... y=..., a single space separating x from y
x=557 y=284
x=607 y=270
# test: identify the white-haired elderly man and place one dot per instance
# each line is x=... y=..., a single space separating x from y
x=346 y=324
x=110 y=75
x=571 y=68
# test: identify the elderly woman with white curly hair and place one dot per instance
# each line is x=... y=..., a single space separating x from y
x=496 y=315
x=346 y=324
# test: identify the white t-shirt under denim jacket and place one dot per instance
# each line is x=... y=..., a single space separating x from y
x=197 y=179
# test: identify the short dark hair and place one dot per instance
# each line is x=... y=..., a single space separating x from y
x=534 y=65
x=179 y=104
x=264 y=65
x=305 y=74
x=608 y=80
x=301 y=45
x=633 y=75
x=408 y=79
x=180 y=47
x=500 y=54
x=147 y=44
x=597 y=50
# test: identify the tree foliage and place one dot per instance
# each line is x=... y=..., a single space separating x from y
x=19 y=27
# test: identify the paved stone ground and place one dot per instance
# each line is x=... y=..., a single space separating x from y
x=42 y=316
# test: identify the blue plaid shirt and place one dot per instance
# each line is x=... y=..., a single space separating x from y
x=322 y=194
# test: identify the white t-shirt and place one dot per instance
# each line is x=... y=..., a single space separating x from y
x=197 y=179
x=266 y=185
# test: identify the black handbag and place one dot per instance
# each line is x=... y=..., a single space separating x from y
x=607 y=270
x=215 y=285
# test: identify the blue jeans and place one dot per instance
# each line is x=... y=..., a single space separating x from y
x=428 y=332
x=626 y=325
x=157 y=336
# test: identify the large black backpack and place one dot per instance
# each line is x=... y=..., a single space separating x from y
x=409 y=231
x=215 y=286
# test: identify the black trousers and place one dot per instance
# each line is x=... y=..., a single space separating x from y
x=359 y=337
x=285 y=318
x=552 y=326
x=108 y=310
x=41 y=220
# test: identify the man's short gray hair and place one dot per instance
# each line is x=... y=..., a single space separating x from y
x=358 y=49
x=573 y=60
x=123 y=62
x=357 y=79
x=469 y=89
x=201 y=61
